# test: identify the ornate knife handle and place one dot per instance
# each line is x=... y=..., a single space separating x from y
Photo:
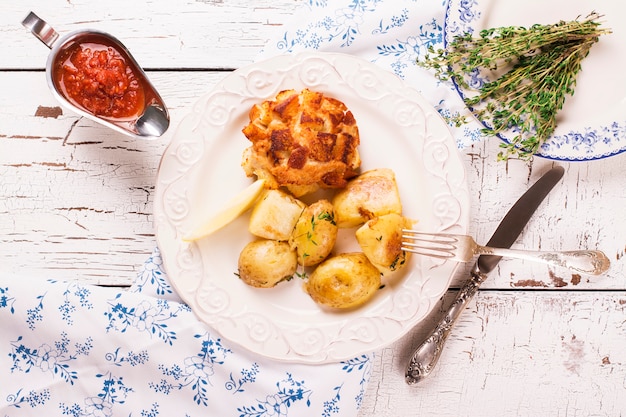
x=427 y=354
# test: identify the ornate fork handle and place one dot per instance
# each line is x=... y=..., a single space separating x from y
x=427 y=354
x=584 y=261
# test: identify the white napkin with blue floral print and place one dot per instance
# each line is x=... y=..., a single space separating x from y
x=81 y=350
x=393 y=34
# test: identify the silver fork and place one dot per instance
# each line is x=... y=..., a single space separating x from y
x=462 y=248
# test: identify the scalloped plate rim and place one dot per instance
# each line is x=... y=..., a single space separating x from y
x=343 y=346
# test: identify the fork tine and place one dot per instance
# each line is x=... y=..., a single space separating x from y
x=429 y=244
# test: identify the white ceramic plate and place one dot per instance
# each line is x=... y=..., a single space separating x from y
x=201 y=169
x=592 y=123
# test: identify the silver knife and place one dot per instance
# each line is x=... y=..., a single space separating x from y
x=427 y=354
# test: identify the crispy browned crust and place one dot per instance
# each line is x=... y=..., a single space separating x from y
x=302 y=141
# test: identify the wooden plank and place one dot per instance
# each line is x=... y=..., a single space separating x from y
x=580 y=213
x=69 y=183
x=75 y=197
x=76 y=203
x=516 y=353
x=207 y=33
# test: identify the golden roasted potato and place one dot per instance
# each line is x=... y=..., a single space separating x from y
x=275 y=215
x=343 y=281
x=264 y=263
x=381 y=240
x=315 y=233
x=371 y=194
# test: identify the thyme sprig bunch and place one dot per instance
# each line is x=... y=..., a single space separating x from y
x=529 y=73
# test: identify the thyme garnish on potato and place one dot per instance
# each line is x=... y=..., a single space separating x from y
x=531 y=71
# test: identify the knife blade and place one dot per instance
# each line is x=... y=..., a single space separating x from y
x=427 y=354
x=518 y=216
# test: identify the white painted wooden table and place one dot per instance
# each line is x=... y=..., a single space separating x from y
x=76 y=201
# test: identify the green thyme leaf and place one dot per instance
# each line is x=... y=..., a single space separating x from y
x=532 y=70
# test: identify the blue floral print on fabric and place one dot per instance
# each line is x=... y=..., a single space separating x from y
x=394 y=38
x=196 y=371
x=31 y=399
x=131 y=358
x=34 y=314
x=151 y=277
x=360 y=365
x=6 y=301
x=113 y=392
x=55 y=358
x=348 y=24
x=151 y=317
x=247 y=376
x=75 y=296
x=78 y=350
x=287 y=392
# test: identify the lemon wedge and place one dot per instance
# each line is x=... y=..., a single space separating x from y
x=233 y=209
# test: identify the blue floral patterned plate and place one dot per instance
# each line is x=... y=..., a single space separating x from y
x=592 y=123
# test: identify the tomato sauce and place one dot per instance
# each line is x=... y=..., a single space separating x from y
x=100 y=79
